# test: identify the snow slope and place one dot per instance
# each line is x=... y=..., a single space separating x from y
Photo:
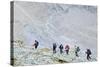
x=30 y=56
x=60 y=23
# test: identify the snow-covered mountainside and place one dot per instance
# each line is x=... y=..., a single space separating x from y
x=53 y=23
x=30 y=56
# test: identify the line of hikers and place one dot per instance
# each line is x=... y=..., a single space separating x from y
x=67 y=48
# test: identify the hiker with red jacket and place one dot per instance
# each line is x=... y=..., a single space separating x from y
x=67 y=49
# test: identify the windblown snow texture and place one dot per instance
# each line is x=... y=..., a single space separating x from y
x=54 y=23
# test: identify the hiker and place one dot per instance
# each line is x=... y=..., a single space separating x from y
x=67 y=49
x=54 y=47
x=77 y=49
x=88 y=52
x=36 y=44
x=61 y=48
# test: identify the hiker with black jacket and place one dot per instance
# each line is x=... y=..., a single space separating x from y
x=61 y=48
x=36 y=44
x=54 y=47
x=88 y=53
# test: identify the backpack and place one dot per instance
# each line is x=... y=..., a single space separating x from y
x=78 y=49
x=89 y=52
x=66 y=47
